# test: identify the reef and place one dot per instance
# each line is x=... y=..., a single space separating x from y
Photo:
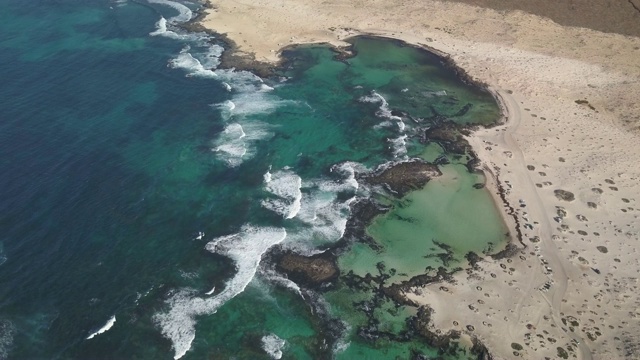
x=417 y=327
x=363 y=211
x=317 y=273
x=403 y=177
x=309 y=270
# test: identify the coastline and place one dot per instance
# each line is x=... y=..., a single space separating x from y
x=541 y=92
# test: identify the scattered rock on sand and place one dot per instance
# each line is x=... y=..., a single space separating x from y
x=564 y=195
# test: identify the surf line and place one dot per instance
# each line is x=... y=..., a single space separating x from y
x=104 y=328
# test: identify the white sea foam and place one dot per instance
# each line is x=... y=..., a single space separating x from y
x=254 y=102
x=348 y=170
x=273 y=345
x=323 y=217
x=241 y=81
x=383 y=111
x=7 y=333
x=104 y=328
x=373 y=98
x=231 y=145
x=226 y=109
x=161 y=27
x=245 y=249
x=285 y=185
x=251 y=97
x=324 y=221
x=274 y=277
x=237 y=141
x=341 y=345
x=184 y=13
x=384 y=125
x=193 y=66
x=267 y=176
x=399 y=147
x=265 y=87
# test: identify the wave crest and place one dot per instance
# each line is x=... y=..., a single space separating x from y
x=245 y=249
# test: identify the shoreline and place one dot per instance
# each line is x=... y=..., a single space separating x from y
x=562 y=277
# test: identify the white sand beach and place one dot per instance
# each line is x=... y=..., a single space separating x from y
x=582 y=247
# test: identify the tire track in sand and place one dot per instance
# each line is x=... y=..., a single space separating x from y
x=544 y=228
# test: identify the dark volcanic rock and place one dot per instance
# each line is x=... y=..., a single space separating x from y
x=421 y=322
x=363 y=212
x=448 y=135
x=509 y=251
x=479 y=350
x=403 y=177
x=397 y=291
x=564 y=195
x=312 y=270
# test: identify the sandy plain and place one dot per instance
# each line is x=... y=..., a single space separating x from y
x=565 y=157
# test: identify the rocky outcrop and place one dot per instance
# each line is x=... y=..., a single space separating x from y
x=403 y=177
x=312 y=270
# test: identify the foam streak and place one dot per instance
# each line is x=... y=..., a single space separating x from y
x=246 y=249
x=104 y=328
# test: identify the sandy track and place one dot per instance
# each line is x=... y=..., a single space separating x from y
x=543 y=230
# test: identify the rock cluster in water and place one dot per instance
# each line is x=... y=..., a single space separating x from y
x=403 y=177
x=312 y=270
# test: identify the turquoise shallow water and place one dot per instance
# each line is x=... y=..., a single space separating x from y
x=141 y=184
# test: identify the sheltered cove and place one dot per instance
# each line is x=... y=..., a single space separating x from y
x=321 y=271
x=484 y=140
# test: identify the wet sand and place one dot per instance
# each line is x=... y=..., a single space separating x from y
x=565 y=155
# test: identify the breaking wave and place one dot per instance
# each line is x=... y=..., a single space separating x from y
x=236 y=143
x=104 y=328
x=399 y=147
x=202 y=66
x=245 y=249
x=319 y=208
x=184 y=13
x=275 y=278
x=384 y=111
x=273 y=345
x=286 y=186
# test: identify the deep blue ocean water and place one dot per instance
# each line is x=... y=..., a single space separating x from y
x=127 y=163
x=97 y=140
